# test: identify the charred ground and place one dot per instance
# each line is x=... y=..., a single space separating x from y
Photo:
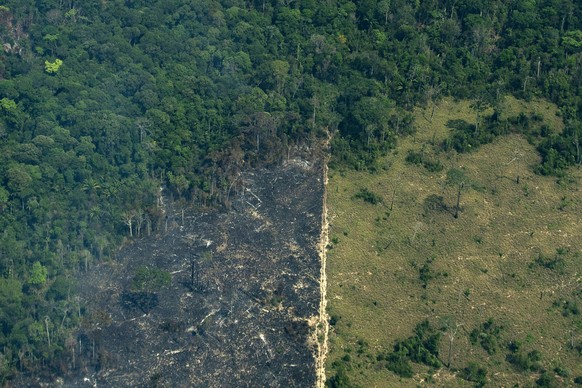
x=242 y=300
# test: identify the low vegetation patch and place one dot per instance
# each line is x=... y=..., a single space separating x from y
x=419 y=158
x=474 y=373
x=421 y=348
x=368 y=196
x=487 y=335
x=150 y=279
x=522 y=360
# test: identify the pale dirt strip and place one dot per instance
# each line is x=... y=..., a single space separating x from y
x=322 y=328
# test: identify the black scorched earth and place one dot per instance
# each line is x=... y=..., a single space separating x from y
x=243 y=299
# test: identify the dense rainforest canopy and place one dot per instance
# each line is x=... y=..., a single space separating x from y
x=104 y=103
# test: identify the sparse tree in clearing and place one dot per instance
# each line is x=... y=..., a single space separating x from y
x=456 y=177
x=417 y=229
x=452 y=328
x=517 y=158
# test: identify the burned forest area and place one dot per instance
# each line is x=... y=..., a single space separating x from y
x=242 y=302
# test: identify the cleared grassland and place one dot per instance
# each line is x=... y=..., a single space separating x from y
x=478 y=266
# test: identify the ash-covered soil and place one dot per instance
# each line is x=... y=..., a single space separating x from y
x=243 y=299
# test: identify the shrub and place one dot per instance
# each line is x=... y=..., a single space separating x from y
x=340 y=379
x=530 y=361
x=474 y=373
x=556 y=263
x=414 y=157
x=546 y=380
x=368 y=196
x=334 y=319
x=398 y=363
x=433 y=165
x=150 y=279
x=421 y=348
x=426 y=273
x=561 y=371
x=419 y=158
x=465 y=137
x=487 y=335
x=569 y=307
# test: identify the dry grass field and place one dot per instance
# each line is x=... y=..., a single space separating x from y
x=514 y=255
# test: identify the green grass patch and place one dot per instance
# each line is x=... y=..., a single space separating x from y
x=511 y=255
